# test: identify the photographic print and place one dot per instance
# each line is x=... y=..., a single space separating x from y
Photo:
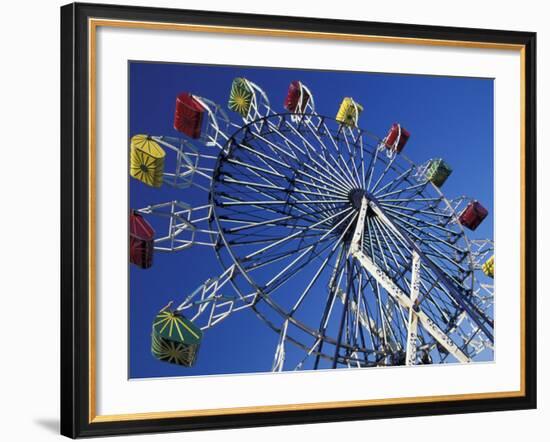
x=286 y=219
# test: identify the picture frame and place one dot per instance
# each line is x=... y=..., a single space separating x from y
x=80 y=176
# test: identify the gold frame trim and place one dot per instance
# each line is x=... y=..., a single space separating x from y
x=93 y=24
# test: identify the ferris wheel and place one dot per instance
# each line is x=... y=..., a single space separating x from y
x=338 y=243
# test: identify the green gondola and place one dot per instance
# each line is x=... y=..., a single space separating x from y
x=175 y=338
x=438 y=171
x=240 y=98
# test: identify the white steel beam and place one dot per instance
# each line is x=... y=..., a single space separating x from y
x=412 y=329
x=396 y=293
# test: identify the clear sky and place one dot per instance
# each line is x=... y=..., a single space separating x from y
x=447 y=117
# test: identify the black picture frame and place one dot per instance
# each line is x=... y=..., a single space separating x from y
x=76 y=418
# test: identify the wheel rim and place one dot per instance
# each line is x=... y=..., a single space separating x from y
x=285 y=195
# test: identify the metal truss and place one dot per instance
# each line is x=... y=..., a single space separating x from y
x=482 y=250
x=215 y=300
x=185 y=225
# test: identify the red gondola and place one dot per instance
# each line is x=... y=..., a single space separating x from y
x=472 y=215
x=397 y=137
x=188 y=115
x=141 y=241
x=292 y=100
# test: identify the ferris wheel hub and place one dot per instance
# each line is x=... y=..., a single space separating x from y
x=356 y=197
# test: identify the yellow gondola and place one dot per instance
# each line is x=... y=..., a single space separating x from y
x=146 y=160
x=349 y=112
x=488 y=267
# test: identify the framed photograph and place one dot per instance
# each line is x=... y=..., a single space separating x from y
x=275 y=220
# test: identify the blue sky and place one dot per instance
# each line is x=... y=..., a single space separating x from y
x=448 y=117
